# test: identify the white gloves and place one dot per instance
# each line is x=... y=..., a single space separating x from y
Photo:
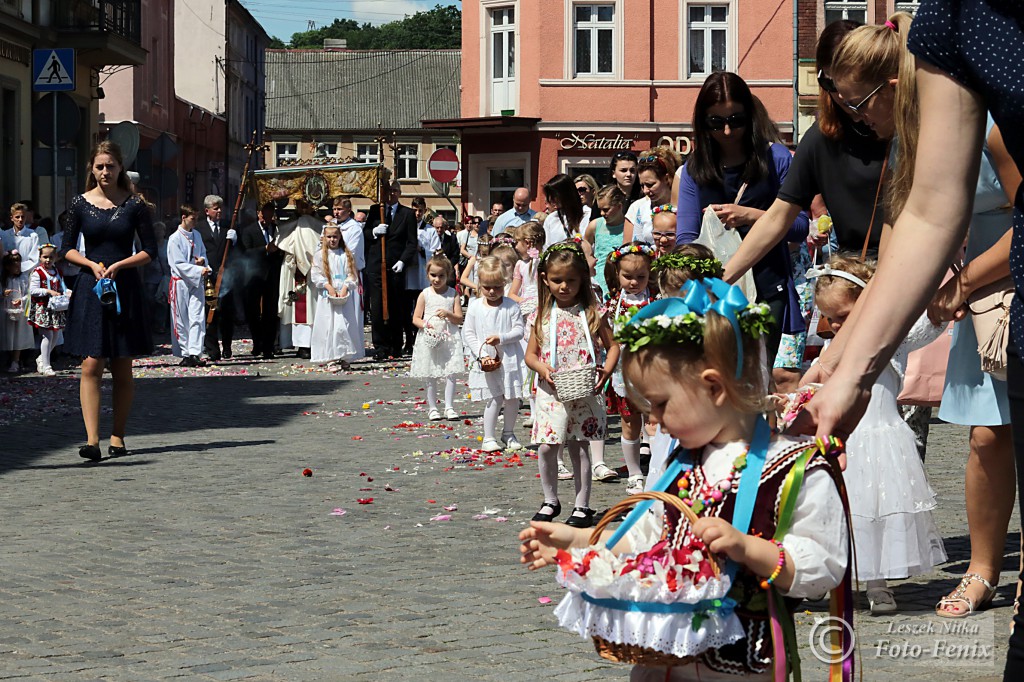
x=399 y=266
x=233 y=236
x=380 y=231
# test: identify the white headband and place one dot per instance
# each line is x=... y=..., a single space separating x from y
x=826 y=270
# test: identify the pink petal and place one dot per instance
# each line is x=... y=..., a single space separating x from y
x=544 y=600
x=338 y=512
x=441 y=517
x=501 y=519
x=452 y=507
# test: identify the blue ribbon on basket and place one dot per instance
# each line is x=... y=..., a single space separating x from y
x=722 y=607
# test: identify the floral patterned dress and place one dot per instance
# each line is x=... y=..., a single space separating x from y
x=557 y=422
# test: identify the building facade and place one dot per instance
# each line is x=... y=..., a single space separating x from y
x=553 y=87
x=105 y=34
x=245 y=85
x=336 y=103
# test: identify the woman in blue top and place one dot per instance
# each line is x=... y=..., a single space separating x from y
x=735 y=149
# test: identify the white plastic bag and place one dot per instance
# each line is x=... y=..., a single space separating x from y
x=724 y=243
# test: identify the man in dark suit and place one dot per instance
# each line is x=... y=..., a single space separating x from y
x=398 y=230
x=216 y=238
x=263 y=273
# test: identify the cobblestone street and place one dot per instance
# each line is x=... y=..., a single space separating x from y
x=205 y=553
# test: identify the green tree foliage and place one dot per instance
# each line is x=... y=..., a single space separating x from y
x=436 y=29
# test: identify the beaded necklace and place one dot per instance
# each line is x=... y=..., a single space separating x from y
x=709 y=496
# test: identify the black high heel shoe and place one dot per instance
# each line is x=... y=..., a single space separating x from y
x=585 y=521
x=556 y=509
x=90 y=452
x=117 y=450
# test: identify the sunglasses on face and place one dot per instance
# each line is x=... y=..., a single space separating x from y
x=719 y=122
x=583 y=190
x=855 y=108
x=826 y=83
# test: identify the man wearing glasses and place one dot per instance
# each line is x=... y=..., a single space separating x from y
x=517 y=215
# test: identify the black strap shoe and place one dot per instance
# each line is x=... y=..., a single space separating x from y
x=90 y=452
x=585 y=521
x=556 y=509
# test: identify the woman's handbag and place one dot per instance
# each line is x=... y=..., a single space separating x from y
x=572 y=383
x=990 y=315
x=724 y=243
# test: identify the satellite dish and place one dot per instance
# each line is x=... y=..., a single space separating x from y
x=126 y=136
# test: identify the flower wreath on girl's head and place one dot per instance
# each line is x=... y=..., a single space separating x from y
x=571 y=244
x=503 y=239
x=680 y=261
x=630 y=249
x=664 y=208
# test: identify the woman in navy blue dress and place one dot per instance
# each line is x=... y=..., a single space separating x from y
x=110 y=217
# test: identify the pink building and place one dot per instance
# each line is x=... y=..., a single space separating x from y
x=553 y=87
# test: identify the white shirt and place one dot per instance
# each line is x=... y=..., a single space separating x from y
x=640 y=214
x=510 y=219
x=416 y=273
x=26 y=241
x=555 y=230
x=352 y=234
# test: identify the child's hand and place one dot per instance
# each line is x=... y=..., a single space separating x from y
x=493 y=340
x=545 y=374
x=602 y=377
x=53 y=292
x=542 y=540
x=7 y=292
x=331 y=292
x=344 y=291
x=721 y=537
x=443 y=314
x=200 y=260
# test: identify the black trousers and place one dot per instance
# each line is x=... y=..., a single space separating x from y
x=222 y=327
x=410 y=307
x=387 y=336
x=261 y=300
x=1015 y=388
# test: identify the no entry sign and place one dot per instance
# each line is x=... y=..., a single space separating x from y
x=443 y=165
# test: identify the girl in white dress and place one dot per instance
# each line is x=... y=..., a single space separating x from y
x=437 y=352
x=495 y=320
x=565 y=334
x=334 y=273
x=529 y=241
x=15 y=334
x=891 y=501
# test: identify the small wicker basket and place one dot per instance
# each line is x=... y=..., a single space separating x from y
x=574 y=383
x=528 y=306
x=488 y=363
x=632 y=653
x=433 y=337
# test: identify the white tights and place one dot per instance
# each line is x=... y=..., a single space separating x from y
x=491 y=409
x=547 y=458
x=46 y=345
x=449 y=393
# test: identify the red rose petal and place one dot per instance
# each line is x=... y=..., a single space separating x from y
x=431 y=501
x=369 y=479
x=307 y=472
x=365 y=500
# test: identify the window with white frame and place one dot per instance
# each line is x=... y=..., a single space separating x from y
x=286 y=152
x=407 y=161
x=367 y=152
x=594 y=40
x=502 y=66
x=846 y=9
x=707 y=34
x=326 y=149
x=908 y=7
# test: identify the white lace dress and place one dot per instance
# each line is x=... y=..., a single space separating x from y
x=446 y=358
x=891 y=501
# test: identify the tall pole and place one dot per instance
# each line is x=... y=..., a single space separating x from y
x=251 y=148
x=53 y=183
x=382 y=193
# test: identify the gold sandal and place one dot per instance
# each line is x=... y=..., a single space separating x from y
x=957 y=596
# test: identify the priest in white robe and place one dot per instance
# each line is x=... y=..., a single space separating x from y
x=186 y=257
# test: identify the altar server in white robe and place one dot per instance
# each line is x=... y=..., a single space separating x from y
x=334 y=275
x=186 y=256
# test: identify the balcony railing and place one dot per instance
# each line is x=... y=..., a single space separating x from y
x=118 y=17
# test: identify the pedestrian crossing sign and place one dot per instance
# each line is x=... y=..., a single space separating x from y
x=53 y=69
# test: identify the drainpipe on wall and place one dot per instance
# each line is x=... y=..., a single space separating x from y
x=650 y=90
x=796 y=71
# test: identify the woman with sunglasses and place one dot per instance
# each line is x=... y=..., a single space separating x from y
x=737 y=167
x=623 y=168
x=586 y=187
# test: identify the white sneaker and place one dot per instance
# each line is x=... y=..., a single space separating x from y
x=48 y=372
x=14 y=368
x=603 y=472
x=490 y=445
x=39 y=364
x=528 y=423
x=634 y=485
x=563 y=472
x=450 y=414
x=511 y=442
x=434 y=415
